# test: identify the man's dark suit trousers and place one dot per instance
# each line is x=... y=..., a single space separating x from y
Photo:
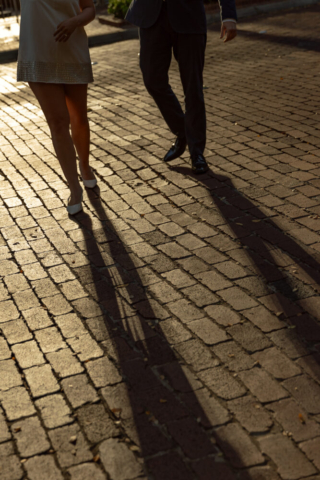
x=157 y=43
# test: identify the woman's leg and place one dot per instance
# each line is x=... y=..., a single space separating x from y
x=76 y=98
x=53 y=103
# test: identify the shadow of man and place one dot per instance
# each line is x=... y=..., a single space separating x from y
x=285 y=276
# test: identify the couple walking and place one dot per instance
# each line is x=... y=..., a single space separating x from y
x=54 y=59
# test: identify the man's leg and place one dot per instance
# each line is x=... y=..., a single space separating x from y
x=189 y=50
x=155 y=59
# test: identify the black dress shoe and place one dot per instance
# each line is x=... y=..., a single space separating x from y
x=199 y=164
x=177 y=149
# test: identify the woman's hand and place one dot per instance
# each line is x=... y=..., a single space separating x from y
x=65 y=30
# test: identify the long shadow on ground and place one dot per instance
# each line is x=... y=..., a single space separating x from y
x=161 y=405
x=286 y=277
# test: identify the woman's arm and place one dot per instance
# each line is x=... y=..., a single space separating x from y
x=66 y=28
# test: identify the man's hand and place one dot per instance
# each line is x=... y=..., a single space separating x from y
x=228 y=31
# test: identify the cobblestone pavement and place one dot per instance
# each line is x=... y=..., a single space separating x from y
x=171 y=330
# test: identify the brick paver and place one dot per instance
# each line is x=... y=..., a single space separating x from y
x=171 y=330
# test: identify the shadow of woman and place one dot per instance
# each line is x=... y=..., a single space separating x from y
x=285 y=276
x=164 y=412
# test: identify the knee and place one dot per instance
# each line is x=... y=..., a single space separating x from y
x=80 y=121
x=154 y=83
x=59 y=125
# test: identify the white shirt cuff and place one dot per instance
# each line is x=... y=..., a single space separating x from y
x=229 y=20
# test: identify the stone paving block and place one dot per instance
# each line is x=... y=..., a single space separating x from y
x=237 y=298
x=16 y=331
x=79 y=391
x=25 y=300
x=207 y=467
x=249 y=337
x=207 y=331
x=294 y=420
x=50 y=340
x=193 y=442
x=54 y=411
x=196 y=355
x=119 y=461
x=118 y=400
x=44 y=288
x=8 y=311
x=40 y=466
x=5 y=434
x=70 y=445
x=57 y=305
x=291 y=462
x=290 y=343
x=311 y=365
x=96 y=423
x=9 y=375
x=311 y=449
x=70 y=325
x=85 y=471
x=263 y=319
x=174 y=332
x=103 y=372
x=238 y=446
x=64 y=363
x=4 y=349
x=232 y=355
x=164 y=292
x=85 y=347
x=178 y=278
x=223 y=315
x=169 y=466
x=306 y=392
x=37 y=318
x=213 y=280
x=184 y=310
x=7 y=267
x=41 y=380
x=16 y=283
x=87 y=307
x=34 y=271
x=276 y=363
x=251 y=414
x=263 y=386
x=259 y=473
x=17 y=403
x=222 y=383
x=30 y=437
x=200 y=295
x=28 y=354
x=10 y=466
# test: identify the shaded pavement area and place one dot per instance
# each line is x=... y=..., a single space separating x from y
x=171 y=330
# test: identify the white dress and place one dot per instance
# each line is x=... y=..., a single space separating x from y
x=41 y=58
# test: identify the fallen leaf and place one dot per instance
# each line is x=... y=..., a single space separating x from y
x=96 y=458
x=163 y=400
x=17 y=429
x=302 y=420
x=116 y=410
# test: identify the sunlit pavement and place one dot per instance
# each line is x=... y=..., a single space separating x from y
x=171 y=330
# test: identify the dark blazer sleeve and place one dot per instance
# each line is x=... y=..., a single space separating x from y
x=228 y=9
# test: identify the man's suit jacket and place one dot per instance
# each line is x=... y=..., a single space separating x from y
x=185 y=16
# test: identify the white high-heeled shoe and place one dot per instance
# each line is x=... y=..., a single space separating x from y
x=76 y=208
x=89 y=183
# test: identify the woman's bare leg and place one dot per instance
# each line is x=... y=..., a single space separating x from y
x=76 y=98
x=53 y=103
